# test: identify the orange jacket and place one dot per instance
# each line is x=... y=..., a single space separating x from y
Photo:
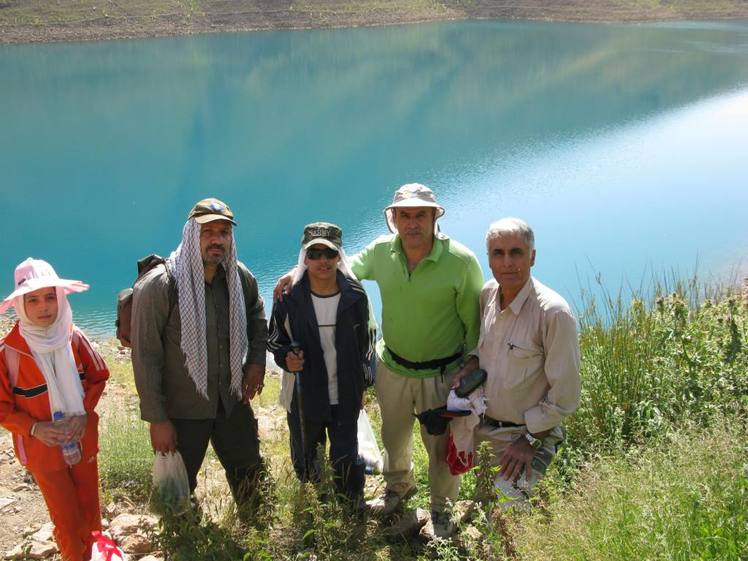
x=27 y=402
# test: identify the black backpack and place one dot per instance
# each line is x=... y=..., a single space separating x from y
x=124 y=298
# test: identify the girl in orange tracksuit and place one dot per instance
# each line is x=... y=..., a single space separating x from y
x=46 y=365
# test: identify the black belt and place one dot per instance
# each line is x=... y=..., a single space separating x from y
x=440 y=363
x=486 y=420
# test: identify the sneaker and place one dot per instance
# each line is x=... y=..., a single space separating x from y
x=442 y=523
x=392 y=501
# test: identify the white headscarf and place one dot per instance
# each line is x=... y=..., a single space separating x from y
x=54 y=355
x=187 y=266
x=343 y=265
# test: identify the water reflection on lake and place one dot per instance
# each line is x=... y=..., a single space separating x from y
x=623 y=145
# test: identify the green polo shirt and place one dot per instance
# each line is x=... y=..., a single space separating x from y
x=428 y=314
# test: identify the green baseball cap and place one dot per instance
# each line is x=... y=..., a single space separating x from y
x=211 y=209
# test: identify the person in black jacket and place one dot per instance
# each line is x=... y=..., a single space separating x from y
x=320 y=332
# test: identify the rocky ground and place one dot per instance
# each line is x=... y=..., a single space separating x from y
x=22 y=21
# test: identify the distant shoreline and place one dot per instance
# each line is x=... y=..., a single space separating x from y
x=99 y=20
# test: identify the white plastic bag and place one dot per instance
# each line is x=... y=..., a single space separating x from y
x=368 y=449
x=104 y=549
x=171 y=488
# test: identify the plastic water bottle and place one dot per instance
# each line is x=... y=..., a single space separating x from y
x=70 y=451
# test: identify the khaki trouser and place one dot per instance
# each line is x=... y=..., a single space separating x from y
x=499 y=439
x=400 y=397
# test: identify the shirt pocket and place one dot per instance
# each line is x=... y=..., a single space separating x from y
x=524 y=366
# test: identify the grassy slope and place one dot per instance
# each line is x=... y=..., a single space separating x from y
x=55 y=20
x=685 y=497
x=639 y=477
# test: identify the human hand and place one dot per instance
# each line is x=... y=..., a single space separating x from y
x=163 y=437
x=470 y=365
x=252 y=383
x=516 y=457
x=76 y=427
x=51 y=434
x=295 y=361
x=284 y=285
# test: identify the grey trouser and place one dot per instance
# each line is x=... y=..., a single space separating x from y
x=400 y=397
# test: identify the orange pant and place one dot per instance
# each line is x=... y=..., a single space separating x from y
x=72 y=497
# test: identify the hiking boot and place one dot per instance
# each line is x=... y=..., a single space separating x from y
x=392 y=501
x=443 y=525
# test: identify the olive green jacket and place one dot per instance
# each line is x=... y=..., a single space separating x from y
x=166 y=391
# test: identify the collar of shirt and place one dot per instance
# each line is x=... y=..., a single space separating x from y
x=519 y=300
x=436 y=248
x=220 y=274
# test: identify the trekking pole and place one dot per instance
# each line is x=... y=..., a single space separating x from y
x=295 y=348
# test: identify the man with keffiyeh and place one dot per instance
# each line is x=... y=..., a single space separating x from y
x=198 y=350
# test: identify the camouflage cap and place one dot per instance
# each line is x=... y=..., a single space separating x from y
x=323 y=233
x=211 y=209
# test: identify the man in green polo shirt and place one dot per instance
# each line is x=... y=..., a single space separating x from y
x=430 y=287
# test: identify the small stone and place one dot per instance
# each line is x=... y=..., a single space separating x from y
x=408 y=523
x=44 y=534
x=21 y=487
x=136 y=543
x=128 y=524
x=5 y=501
x=462 y=511
x=15 y=553
x=151 y=558
x=110 y=510
x=40 y=550
x=471 y=534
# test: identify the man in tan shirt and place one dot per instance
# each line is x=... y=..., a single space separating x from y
x=529 y=347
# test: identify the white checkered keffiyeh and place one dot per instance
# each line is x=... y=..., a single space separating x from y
x=187 y=267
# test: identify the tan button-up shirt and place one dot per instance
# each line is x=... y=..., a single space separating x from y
x=530 y=351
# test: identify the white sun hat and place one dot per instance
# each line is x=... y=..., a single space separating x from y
x=412 y=195
x=33 y=274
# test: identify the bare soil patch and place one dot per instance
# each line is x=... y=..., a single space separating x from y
x=75 y=20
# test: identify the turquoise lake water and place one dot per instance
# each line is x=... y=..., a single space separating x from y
x=625 y=146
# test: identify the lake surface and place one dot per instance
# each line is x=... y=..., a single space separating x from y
x=625 y=146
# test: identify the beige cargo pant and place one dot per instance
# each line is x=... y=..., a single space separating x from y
x=400 y=397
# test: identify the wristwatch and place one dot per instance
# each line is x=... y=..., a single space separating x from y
x=536 y=443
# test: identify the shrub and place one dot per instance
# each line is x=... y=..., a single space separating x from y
x=125 y=456
x=646 y=368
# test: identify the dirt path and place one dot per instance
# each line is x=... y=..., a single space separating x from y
x=76 y=20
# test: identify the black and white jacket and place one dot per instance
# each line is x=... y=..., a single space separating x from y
x=293 y=319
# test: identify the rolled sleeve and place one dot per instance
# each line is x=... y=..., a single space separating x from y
x=150 y=314
x=361 y=263
x=562 y=372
